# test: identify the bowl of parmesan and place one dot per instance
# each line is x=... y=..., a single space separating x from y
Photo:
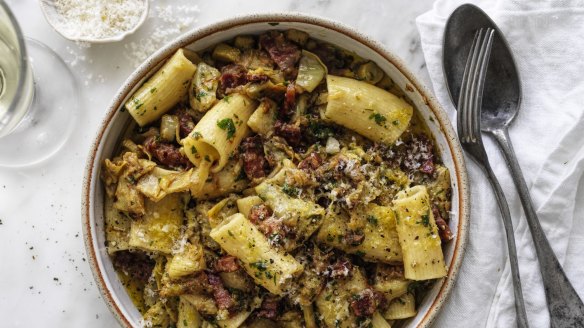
x=95 y=21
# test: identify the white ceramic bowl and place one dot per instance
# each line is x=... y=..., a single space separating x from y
x=116 y=120
x=54 y=18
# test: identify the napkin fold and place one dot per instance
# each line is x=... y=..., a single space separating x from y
x=547 y=41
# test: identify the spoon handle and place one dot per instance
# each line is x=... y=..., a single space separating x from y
x=565 y=306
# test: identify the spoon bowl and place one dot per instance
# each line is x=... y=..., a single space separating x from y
x=502 y=92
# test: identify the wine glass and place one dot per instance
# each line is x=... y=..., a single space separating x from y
x=39 y=98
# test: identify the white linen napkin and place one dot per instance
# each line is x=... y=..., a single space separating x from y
x=547 y=40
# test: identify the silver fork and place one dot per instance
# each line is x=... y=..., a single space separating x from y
x=469 y=132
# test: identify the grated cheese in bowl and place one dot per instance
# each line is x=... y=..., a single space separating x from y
x=95 y=20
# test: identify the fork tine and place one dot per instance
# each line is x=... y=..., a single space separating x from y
x=472 y=86
x=478 y=83
x=471 y=91
x=464 y=89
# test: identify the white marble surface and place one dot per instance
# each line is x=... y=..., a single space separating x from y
x=44 y=279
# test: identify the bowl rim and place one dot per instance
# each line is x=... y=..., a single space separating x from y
x=462 y=188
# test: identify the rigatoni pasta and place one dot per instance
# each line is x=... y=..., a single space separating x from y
x=367 y=109
x=163 y=90
x=159 y=228
x=294 y=186
x=218 y=134
x=268 y=267
x=381 y=243
x=418 y=235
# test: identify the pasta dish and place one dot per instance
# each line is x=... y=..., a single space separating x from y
x=275 y=180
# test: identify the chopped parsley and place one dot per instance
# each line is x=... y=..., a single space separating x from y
x=372 y=219
x=426 y=220
x=153 y=90
x=396 y=122
x=262 y=269
x=226 y=98
x=193 y=150
x=137 y=103
x=207 y=158
x=227 y=125
x=200 y=95
x=320 y=131
x=197 y=135
x=290 y=190
x=378 y=118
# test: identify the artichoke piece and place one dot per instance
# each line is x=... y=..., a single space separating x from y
x=187 y=262
x=370 y=73
x=297 y=36
x=244 y=42
x=203 y=91
x=169 y=127
x=201 y=303
x=156 y=316
x=386 y=83
x=226 y=53
x=310 y=72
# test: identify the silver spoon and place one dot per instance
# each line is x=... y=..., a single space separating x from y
x=501 y=100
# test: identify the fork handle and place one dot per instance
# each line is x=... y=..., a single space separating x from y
x=565 y=306
x=508 y=224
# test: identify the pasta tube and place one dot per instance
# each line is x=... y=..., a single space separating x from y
x=377 y=321
x=267 y=266
x=418 y=235
x=392 y=288
x=381 y=240
x=163 y=90
x=308 y=313
x=117 y=228
x=333 y=302
x=219 y=132
x=263 y=118
x=188 y=317
x=367 y=109
x=245 y=204
x=159 y=228
x=304 y=215
x=401 y=308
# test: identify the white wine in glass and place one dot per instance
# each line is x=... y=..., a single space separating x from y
x=39 y=99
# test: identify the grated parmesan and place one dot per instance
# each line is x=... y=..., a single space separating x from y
x=171 y=21
x=97 y=19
